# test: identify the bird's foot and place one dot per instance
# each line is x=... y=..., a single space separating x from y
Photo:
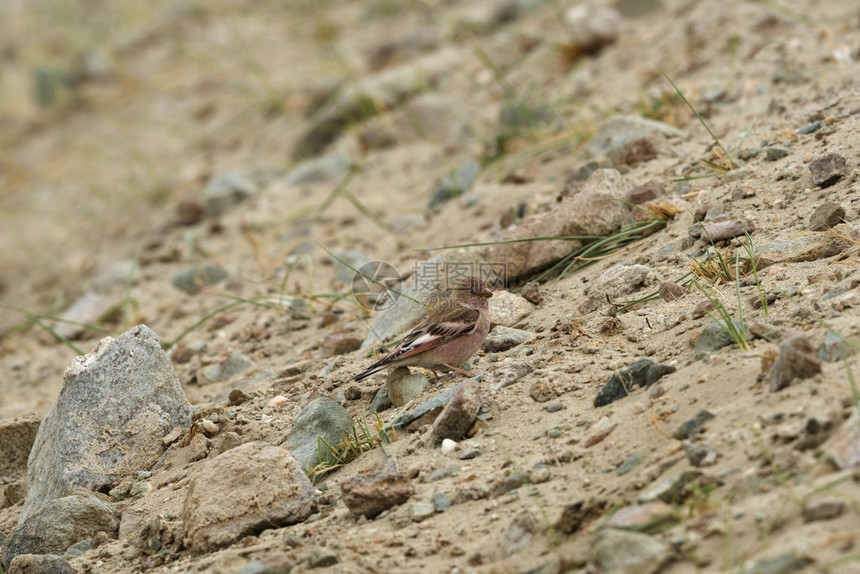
x=460 y=372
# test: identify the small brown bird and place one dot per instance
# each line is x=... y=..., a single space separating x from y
x=449 y=337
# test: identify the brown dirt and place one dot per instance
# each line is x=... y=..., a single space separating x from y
x=194 y=90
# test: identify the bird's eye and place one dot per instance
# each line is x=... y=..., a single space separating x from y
x=471 y=291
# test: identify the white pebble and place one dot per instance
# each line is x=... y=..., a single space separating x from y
x=448 y=446
x=209 y=426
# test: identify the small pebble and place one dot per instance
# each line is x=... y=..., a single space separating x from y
x=276 y=401
x=448 y=446
x=554 y=407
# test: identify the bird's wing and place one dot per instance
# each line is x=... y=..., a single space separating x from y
x=441 y=328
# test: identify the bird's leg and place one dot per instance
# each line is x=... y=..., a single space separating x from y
x=460 y=372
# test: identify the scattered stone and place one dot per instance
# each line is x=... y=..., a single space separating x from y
x=198 y=447
x=642 y=373
x=341 y=343
x=52 y=528
x=554 y=407
x=693 y=425
x=421 y=511
x=642 y=517
x=542 y=391
x=615 y=282
x=796 y=360
x=616 y=550
x=381 y=401
x=440 y=501
x=775 y=152
x=216 y=511
x=531 y=292
x=437 y=402
x=323 y=418
x=827 y=169
x=630 y=462
x=430 y=473
x=448 y=446
x=371 y=493
x=89 y=308
x=714 y=336
x=454 y=184
x=599 y=431
x=189 y=211
x=592 y=209
x=613 y=134
x=403 y=385
x=40 y=564
x=700 y=455
x=828 y=214
x=238 y=397
x=460 y=413
x=469 y=449
x=425 y=286
x=671 y=291
x=843 y=448
x=519 y=533
x=235 y=363
x=782 y=564
x=807 y=247
x=328 y=167
x=226 y=190
x=321 y=557
x=834 y=348
x=117 y=403
x=510 y=482
x=648 y=191
x=502 y=338
x=722 y=229
x=671 y=489
x=78 y=548
x=508 y=309
x=590 y=27
x=17 y=437
x=194 y=278
x=509 y=373
x=809 y=128
x=823 y=509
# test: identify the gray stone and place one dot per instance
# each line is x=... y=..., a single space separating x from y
x=630 y=462
x=616 y=550
x=642 y=517
x=843 y=448
x=440 y=501
x=613 y=134
x=194 y=278
x=51 y=529
x=454 y=184
x=796 y=360
x=823 y=509
x=722 y=229
x=782 y=564
x=217 y=511
x=615 y=282
x=670 y=489
x=592 y=26
x=86 y=310
x=228 y=189
x=508 y=309
x=519 y=532
x=404 y=386
x=714 y=336
x=436 y=402
x=321 y=557
x=17 y=437
x=642 y=373
x=324 y=168
x=692 y=425
x=509 y=373
x=510 y=482
x=828 y=214
x=421 y=511
x=807 y=247
x=424 y=289
x=834 y=348
x=828 y=169
x=321 y=417
x=700 y=455
x=460 y=412
x=40 y=564
x=116 y=404
x=381 y=401
x=775 y=152
x=234 y=364
x=502 y=338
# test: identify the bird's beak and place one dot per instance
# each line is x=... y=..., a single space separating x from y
x=486 y=293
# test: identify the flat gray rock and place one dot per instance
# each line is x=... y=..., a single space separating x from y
x=117 y=403
x=321 y=417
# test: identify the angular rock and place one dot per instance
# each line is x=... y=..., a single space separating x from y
x=690 y=426
x=194 y=278
x=321 y=417
x=371 y=493
x=828 y=214
x=116 y=404
x=40 y=564
x=322 y=557
x=426 y=287
x=616 y=550
x=715 y=336
x=670 y=291
x=594 y=209
x=421 y=511
x=454 y=184
x=722 y=229
x=796 y=360
x=700 y=455
x=508 y=309
x=519 y=532
x=460 y=413
x=244 y=491
x=509 y=373
x=502 y=338
x=54 y=527
x=424 y=409
x=599 y=431
x=234 y=364
x=642 y=373
x=641 y=517
x=88 y=308
x=17 y=437
x=671 y=489
x=404 y=386
x=835 y=348
x=613 y=134
x=823 y=509
x=827 y=169
x=592 y=26
x=782 y=564
x=615 y=282
x=843 y=448
x=808 y=247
